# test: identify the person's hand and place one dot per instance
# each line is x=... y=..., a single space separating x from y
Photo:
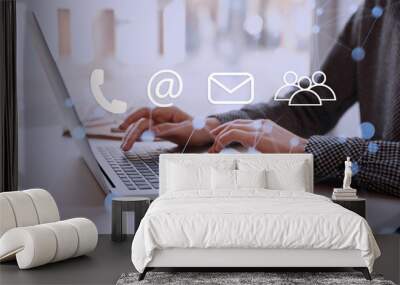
x=263 y=135
x=169 y=123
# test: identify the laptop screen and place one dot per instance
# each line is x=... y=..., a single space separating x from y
x=63 y=99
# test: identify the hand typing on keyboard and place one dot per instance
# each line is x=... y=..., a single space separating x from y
x=169 y=123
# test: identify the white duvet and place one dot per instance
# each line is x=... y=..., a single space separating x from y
x=250 y=219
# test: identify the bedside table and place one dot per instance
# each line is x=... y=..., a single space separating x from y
x=355 y=205
x=138 y=205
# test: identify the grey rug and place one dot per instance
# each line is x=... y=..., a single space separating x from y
x=230 y=278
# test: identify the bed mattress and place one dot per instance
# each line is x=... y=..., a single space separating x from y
x=253 y=219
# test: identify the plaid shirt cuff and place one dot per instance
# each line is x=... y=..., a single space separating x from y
x=376 y=164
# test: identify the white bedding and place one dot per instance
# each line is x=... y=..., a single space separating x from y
x=250 y=219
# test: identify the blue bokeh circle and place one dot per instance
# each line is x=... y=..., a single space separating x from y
x=358 y=53
x=377 y=11
x=373 y=147
x=367 y=130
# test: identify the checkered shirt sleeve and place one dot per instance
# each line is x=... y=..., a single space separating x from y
x=376 y=164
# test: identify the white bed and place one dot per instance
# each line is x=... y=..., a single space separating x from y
x=248 y=227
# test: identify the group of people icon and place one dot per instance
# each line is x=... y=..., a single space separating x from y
x=309 y=88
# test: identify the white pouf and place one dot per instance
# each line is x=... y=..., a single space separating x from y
x=31 y=232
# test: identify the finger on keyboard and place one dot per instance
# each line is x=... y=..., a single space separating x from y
x=116 y=130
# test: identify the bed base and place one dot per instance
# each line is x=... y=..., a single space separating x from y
x=363 y=270
x=242 y=259
x=143 y=274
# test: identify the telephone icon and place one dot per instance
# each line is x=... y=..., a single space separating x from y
x=115 y=106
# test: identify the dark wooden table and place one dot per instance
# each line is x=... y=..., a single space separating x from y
x=382 y=210
x=355 y=205
x=139 y=205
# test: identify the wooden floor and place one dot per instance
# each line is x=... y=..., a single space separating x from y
x=103 y=266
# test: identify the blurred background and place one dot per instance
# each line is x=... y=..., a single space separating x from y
x=133 y=39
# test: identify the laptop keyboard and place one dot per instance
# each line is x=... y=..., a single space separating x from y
x=138 y=171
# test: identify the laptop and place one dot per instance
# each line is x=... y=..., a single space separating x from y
x=133 y=173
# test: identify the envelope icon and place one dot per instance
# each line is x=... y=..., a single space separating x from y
x=230 y=88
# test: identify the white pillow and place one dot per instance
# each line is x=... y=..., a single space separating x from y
x=230 y=180
x=251 y=178
x=182 y=177
x=291 y=175
x=292 y=179
x=223 y=179
x=187 y=175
